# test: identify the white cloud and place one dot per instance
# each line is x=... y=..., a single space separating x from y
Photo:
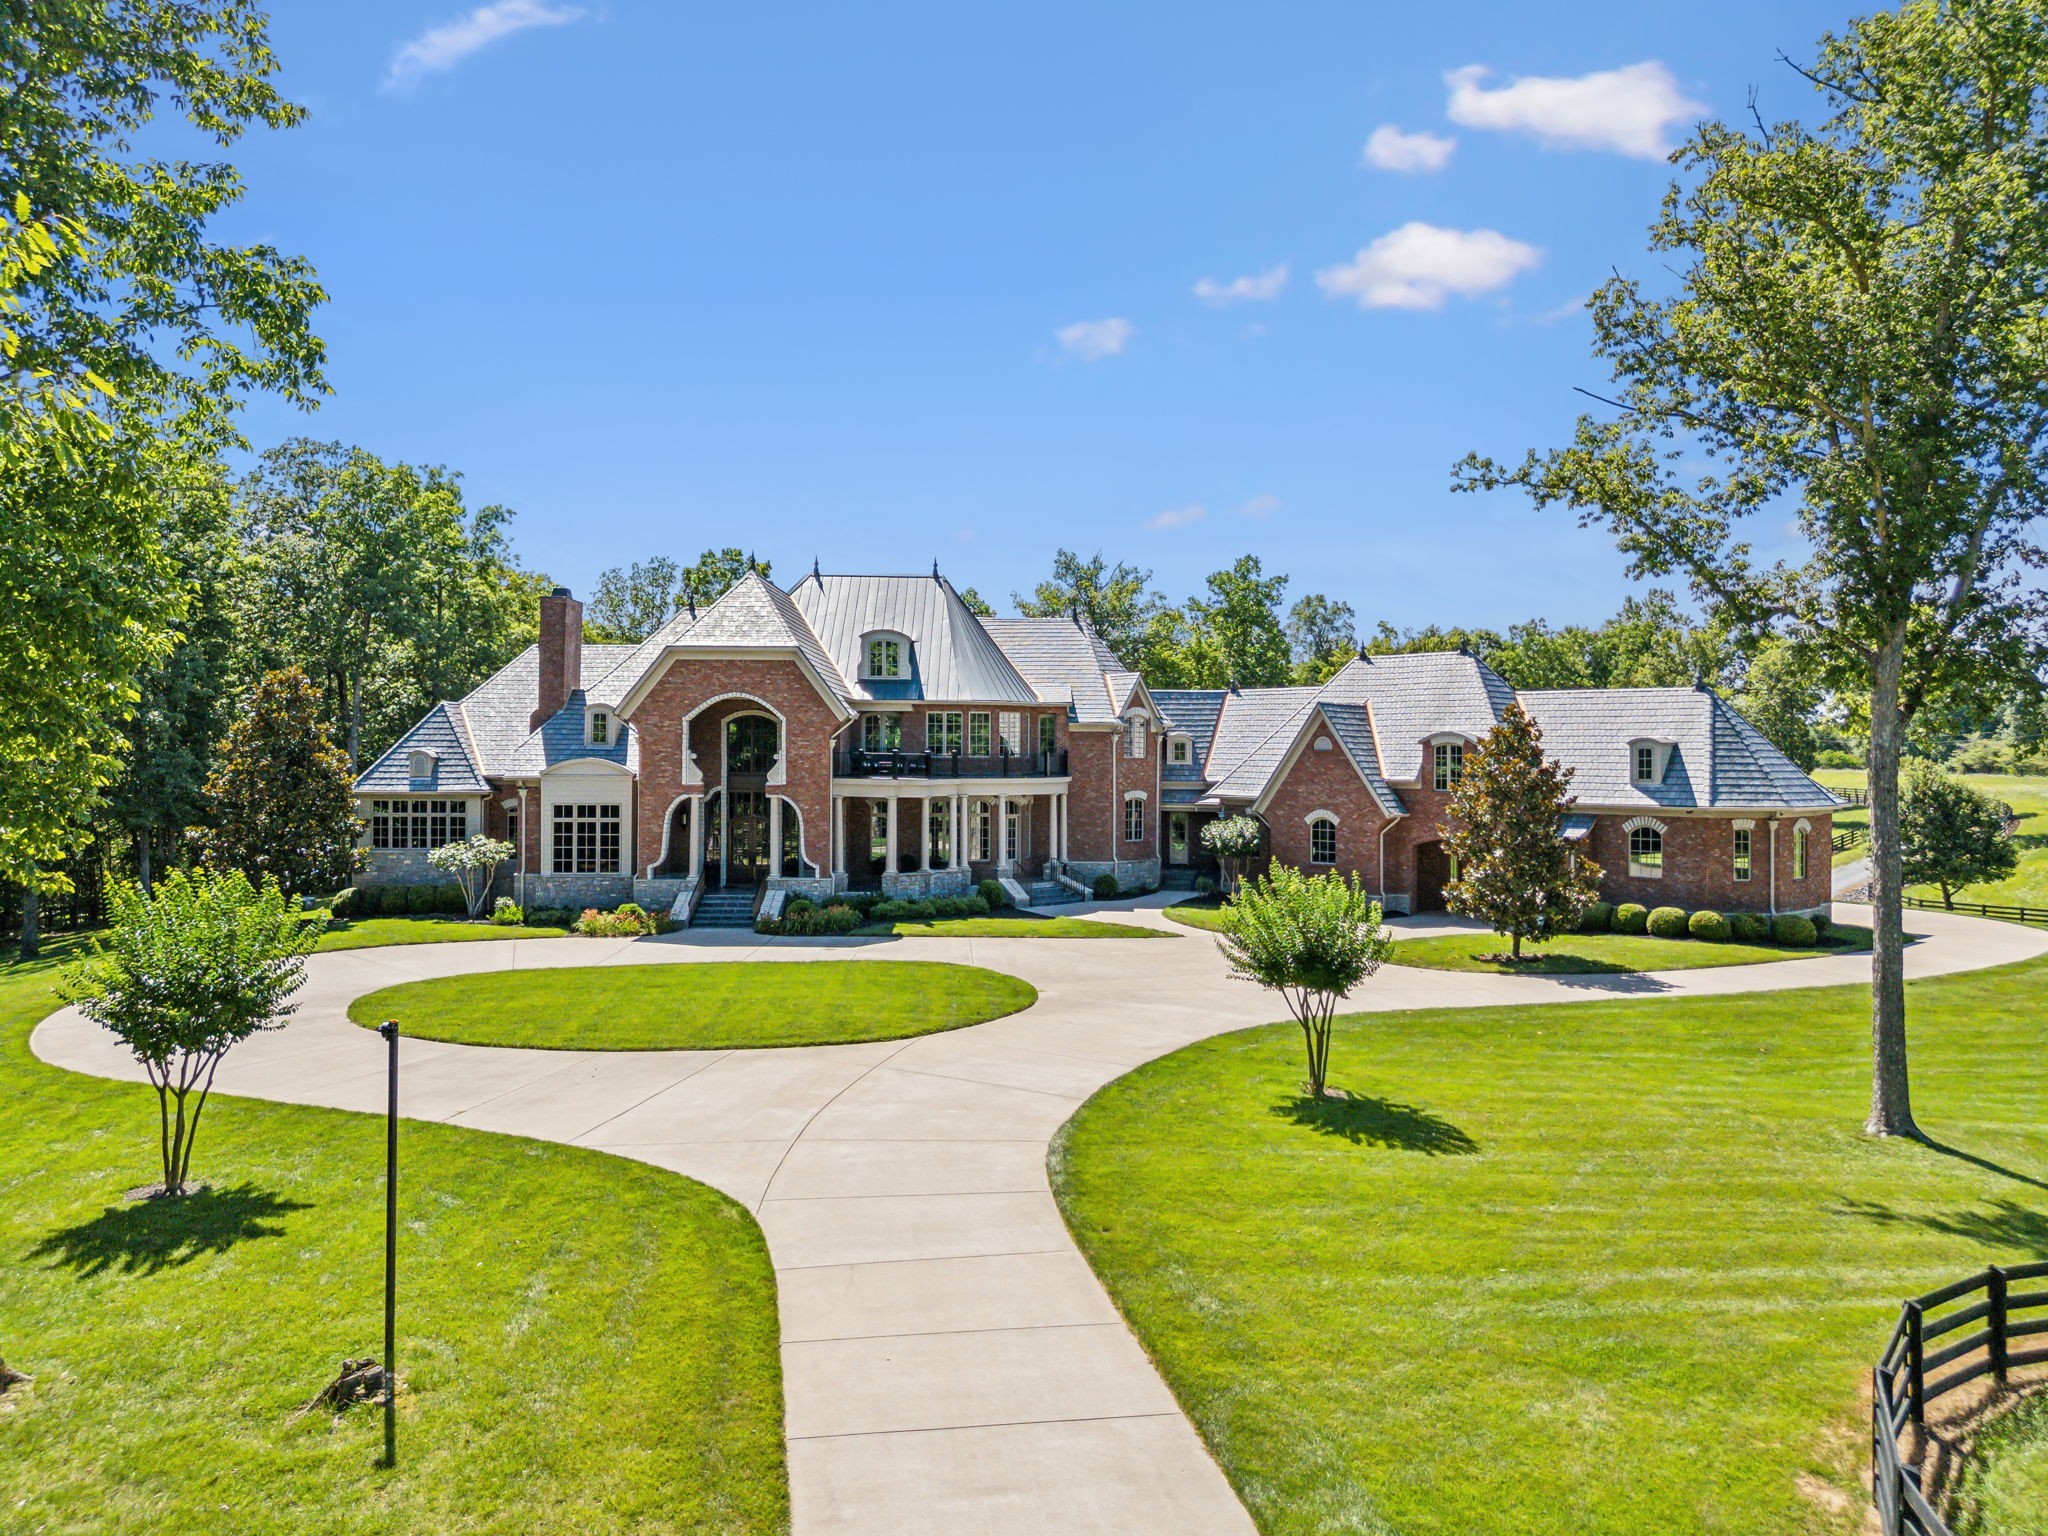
x=1419 y=265
x=1261 y=506
x=1095 y=339
x=447 y=45
x=1415 y=153
x=1178 y=517
x=1628 y=110
x=1266 y=285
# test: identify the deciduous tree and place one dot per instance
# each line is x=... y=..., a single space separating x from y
x=1954 y=836
x=1516 y=872
x=474 y=863
x=283 y=806
x=1854 y=340
x=1322 y=635
x=185 y=975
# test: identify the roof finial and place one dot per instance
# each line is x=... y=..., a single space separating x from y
x=816 y=574
x=935 y=567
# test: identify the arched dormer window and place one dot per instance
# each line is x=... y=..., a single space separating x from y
x=1648 y=759
x=600 y=728
x=885 y=656
x=420 y=763
x=1135 y=734
x=1180 y=750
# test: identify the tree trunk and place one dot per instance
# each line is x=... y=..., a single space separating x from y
x=142 y=860
x=1891 y=1106
x=31 y=919
x=355 y=721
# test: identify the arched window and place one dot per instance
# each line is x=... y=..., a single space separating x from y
x=421 y=764
x=1646 y=849
x=1801 y=833
x=1134 y=735
x=750 y=744
x=1322 y=837
x=885 y=656
x=792 y=860
x=1134 y=818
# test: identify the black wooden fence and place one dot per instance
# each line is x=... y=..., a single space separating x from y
x=2034 y=915
x=1913 y=1371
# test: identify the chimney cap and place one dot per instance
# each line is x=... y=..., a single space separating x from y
x=561 y=592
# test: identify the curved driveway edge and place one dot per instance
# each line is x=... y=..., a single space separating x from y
x=951 y=1365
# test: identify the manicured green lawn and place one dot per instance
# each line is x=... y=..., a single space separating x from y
x=369 y=932
x=1204 y=912
x=1586 y=954
x=717 y=1005
x=1015 y=925
x=589 y=1345
x=2028 y=797
x=1593 y=1269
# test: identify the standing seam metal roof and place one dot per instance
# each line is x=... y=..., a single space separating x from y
x=956 y=658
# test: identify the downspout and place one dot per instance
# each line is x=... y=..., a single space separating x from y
x=1774 y=866
x=525 y=826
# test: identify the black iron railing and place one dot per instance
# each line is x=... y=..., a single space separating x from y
x=857 y=764
x=1913 y=1371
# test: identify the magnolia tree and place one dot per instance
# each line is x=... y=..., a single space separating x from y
x=474 y=864
x=1516 y=873
x=1232 y=841
x=1311 y=938
x=191 y=969
x=1954 y=837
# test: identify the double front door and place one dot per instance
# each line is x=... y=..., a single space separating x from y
x=746 y=839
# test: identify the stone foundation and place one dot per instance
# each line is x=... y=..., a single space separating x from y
x=579 y=891
x=927 y=884
x=1131 y=874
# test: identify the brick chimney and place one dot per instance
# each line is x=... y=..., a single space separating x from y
x=561 y=653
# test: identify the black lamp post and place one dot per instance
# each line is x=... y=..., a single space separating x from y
x=389 y=1030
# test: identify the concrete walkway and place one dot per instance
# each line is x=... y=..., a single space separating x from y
x=951 y=1365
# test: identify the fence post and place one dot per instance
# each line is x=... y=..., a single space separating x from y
x=1995 y=1285
x=1916 y=1382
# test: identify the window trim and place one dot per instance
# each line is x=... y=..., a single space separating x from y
x=1137 y=798
x=981 y=733
x=1802 y=846
x=902 y=659
x=1180 y=749
x=1318 y=821
x=885 y=724
x=418 y=756
x=595 y=832
x=398 y=823
x=1447 y=763
x=1742 y=851
x=937 y=733
x=1638 y=870
x=597 y=728
x=1137 y=732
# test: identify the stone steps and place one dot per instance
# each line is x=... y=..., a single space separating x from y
x=724 y=909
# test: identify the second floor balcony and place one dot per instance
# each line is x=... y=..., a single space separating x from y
x=853 y=763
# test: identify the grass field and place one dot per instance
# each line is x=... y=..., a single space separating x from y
x=1204 y=912
x=1601 y=1269
x=718 y=1005
x=369 y=932
x=1592 y=954
x=589 y=1345
x=2029 y=799
x=1016 y=925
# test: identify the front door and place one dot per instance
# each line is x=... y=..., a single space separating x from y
x=1433 y=869
x=1177 y=838
x=746 y=862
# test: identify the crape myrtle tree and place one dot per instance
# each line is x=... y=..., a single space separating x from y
x=1954 y=836
x=185 y=975
x=1516 y=873
x=1857 y=340
x=1312 y=939
x=474 y=863
x=1233 y=841
x=281 y=796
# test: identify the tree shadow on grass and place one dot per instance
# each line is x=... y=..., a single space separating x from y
x=2005 y=1224
x=1368 y=1122
x=1983 y=1162
x=147 y=1236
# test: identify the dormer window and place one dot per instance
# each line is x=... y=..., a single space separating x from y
x=1647 y=761
x=600 y=728
x=1646 y=765
x=1134 y=735
x=420 y=765
x=1180 y=750
x=1450 y=763
x=887 y=657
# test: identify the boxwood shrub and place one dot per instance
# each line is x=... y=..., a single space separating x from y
x=1793 y=932
x=1667 y=923
x=1711 y=926
x=1105 y=888
x=1631 y=917
x=1749 y=927
x=1599 y=918
x=993 y=893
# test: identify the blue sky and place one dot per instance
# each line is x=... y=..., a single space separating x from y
x=884 y=284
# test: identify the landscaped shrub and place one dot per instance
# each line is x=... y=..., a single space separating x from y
x=1711 y=926
x=973 y=906
x=1204 y=886
x=839 y=918
x=1835 y=757
x=1667 y=923
x=1749 y=927
x=799 y=905
x=1822 y=923
x=993 y=893
x=1793 y=932
x=1105 y=888
x=629 y=921
x=1631 y=917
x=344 y=902
x=1599 y=918
x=506 y=914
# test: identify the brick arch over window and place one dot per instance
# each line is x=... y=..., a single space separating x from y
x=1322 y=836
x=693 y=773
x=1645 y=847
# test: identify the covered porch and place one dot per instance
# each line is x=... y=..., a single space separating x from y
x=936 y=839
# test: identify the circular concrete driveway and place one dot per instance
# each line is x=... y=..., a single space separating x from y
x=951 y=1364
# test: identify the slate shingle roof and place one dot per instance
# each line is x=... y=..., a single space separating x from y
x=1064 y=661
x=442 y=733
x=1191 y=712
x=1419 y=695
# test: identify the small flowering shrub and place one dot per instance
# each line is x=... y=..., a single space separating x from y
x=507 y=913
x=626 y=922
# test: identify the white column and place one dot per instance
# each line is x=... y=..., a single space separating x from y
x=889 y=841
x=774 y=835
x=1003 y=849
x=960 y=847
x=924 y=833
x=697 y=837
x=837 y=834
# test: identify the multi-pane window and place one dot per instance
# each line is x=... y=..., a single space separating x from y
x=1322 y=840
x=983 y=834
x=1181 y=751
x=600 y=728
x=1134 y=736
x=1646 y=853
x=885 y=657
x=878 y=831
x=1012 y=731
x=1450 y=763
x=1048 y=735
x=1799 y=837
x=512 y=837
x=978 y=727
x=417 y=823
x=1744 y=864
x=586 y=840
x=1134 y=819
x=1646 y=765
x=942 y=732
x=881 y=733
x=941 y=814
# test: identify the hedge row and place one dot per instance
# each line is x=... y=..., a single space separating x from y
x=1712 y=927
x=804 y=917
x=397 y=900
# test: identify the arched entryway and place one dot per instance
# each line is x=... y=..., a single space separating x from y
x=1432 y=873
x=675 y=859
